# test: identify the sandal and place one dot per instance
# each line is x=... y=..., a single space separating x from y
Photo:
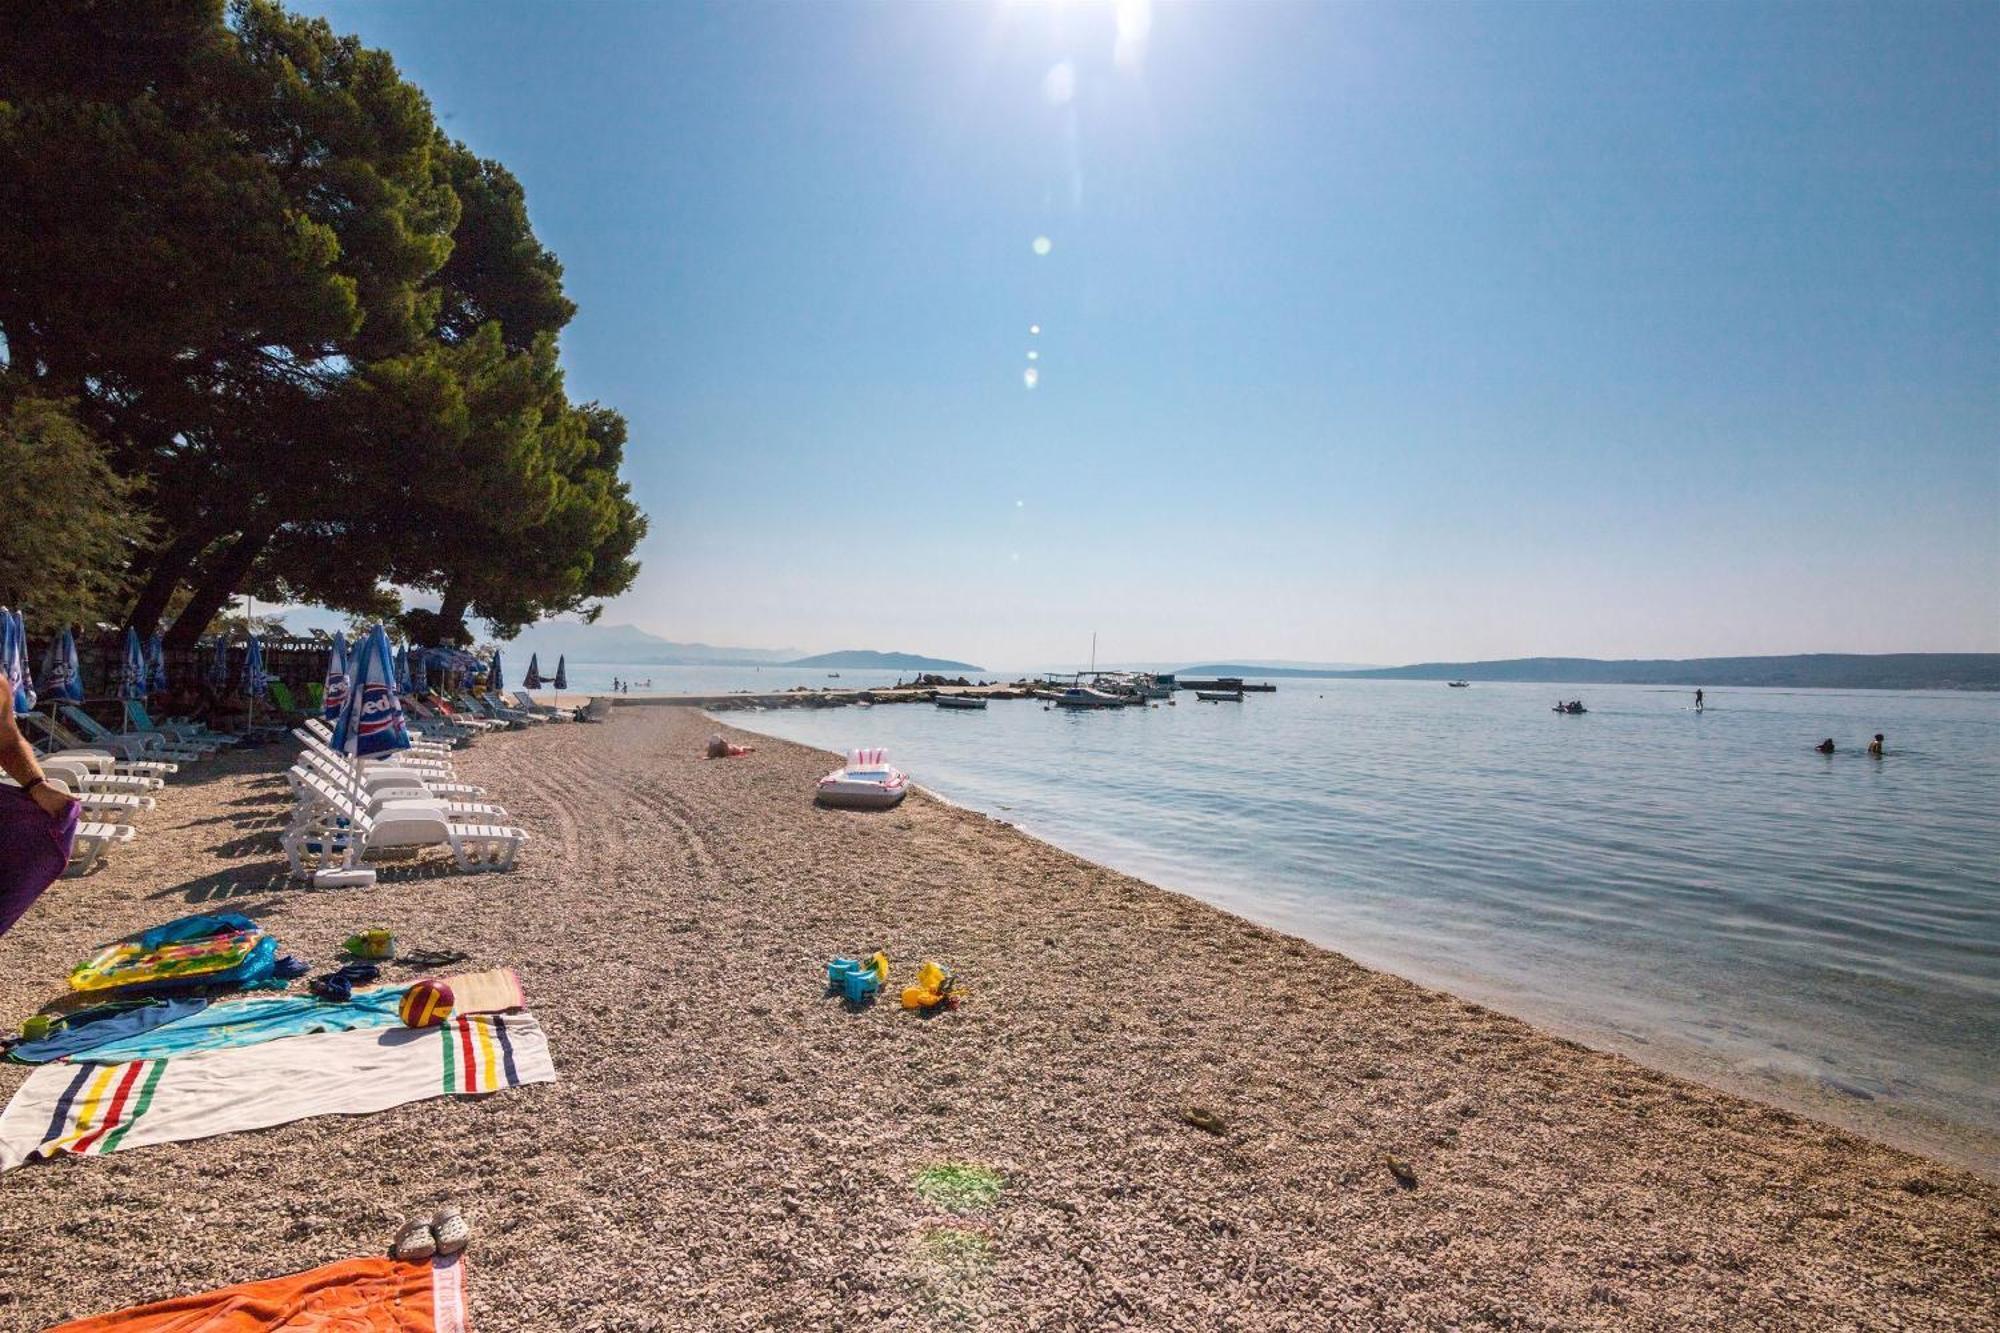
x=414 y=1242
x=451 y=1229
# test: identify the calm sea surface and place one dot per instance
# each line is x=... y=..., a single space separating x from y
x=1701 y=890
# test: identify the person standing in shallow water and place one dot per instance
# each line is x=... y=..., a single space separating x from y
x=1875 y=746
x=1825 y=746
x=1697 y=701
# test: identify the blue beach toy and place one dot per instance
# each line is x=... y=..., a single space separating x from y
x=858 y=981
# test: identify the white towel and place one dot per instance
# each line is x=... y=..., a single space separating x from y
x=95 y=1109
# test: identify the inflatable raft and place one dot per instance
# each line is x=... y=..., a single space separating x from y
x=866 y=781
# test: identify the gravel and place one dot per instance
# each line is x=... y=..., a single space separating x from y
x=1188 y=1121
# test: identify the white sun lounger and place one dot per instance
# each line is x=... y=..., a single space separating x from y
x=391 y=775
x=335 y=833
x=77 y=771
x=131 y=744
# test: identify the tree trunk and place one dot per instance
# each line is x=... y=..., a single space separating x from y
x=451 y=616
x=170 y=566
x=223 y=577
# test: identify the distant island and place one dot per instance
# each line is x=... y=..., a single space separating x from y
x=1825 y=671
x=860 y=659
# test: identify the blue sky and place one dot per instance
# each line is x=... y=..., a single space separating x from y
x=1368 y=332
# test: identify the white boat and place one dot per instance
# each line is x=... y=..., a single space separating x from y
x=959 y=701
x=1084 y=697
x=867 y=781
x=1220 y=696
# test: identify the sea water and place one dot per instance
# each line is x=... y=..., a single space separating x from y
x=1698 y=889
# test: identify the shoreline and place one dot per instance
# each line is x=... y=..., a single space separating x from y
x=737 y=1149
x=1757 y=1075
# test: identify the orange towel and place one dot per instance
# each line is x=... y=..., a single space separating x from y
x=353 y=1296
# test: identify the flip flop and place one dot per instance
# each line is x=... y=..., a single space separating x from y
x=451 y=1229
x=414 y=1242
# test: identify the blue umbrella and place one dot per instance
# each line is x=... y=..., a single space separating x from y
x=561 y=681
x=418 y=684
x=62 y=676
x=218 y=670
x=132 y=670
x=338 y=671
x=494 y=681
x=14 y=660
x=156 y=666
x=533 y=680
x=255 y=681
x=403 y=669
x=372 y=720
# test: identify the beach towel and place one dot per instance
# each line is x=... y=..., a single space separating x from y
x=233 y=1023
x=93 y=1109
x=490 y=992
x=100 y=1025
x=353 y=1296
x=34 y=848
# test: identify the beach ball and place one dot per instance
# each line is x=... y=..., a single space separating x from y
x=426 y=1004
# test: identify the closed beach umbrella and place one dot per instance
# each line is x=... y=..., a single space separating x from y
x=533 y=680
x=372 y=720
x=337 y=673
x=156 y=666
x=218 y=669
x=14 y=659
x=255 y=681
x=62 y=675
x=132 y=668
x=494 y=681
x=561 y=681
x=418 y=682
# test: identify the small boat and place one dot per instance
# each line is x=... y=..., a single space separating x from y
x=833 y=675
x=959 y=701
x=1458 y=684
x=865 y=782
x=1220 y=696
x=1084 y=697
x=1569 y=708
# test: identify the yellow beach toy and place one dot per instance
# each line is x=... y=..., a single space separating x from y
x=933 y=988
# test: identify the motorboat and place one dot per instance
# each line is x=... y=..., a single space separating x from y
x=959 y=701
x=1082 y=696
x=867 y=781
x=1220 y=696
x=1569 y=708
x=1458 y=684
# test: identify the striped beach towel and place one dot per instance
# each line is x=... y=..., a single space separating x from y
x=92 y=1109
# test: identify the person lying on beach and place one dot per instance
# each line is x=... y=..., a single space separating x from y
x=1825 y=746
x=719 y=748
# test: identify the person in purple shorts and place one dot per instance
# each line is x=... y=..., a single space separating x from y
x=37 y=821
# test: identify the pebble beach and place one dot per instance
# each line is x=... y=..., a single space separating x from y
x=1145 y=1113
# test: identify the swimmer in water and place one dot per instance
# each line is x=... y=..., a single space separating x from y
x=1825 y=746
x=1875 y=746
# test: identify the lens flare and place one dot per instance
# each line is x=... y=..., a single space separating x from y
x=1031 y=377
x=1034 y=356
x=1043 y=245
x=1059 y=84
x=1034 y=328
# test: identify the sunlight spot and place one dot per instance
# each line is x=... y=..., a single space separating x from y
x=1031 y=377
x=1135 y=24
x=1043 y=245
x=1059 y=84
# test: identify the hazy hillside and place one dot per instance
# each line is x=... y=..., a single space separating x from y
x=861 y=659
x=629 y=643
x=1847 y=671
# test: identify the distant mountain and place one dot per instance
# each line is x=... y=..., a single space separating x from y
x=1274 y=670
x=1841 y=671
x=860 y=659
x=551 y=639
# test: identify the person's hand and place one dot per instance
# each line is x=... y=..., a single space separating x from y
x=53 y=799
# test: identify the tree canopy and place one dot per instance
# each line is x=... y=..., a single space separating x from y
x=319 y=333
